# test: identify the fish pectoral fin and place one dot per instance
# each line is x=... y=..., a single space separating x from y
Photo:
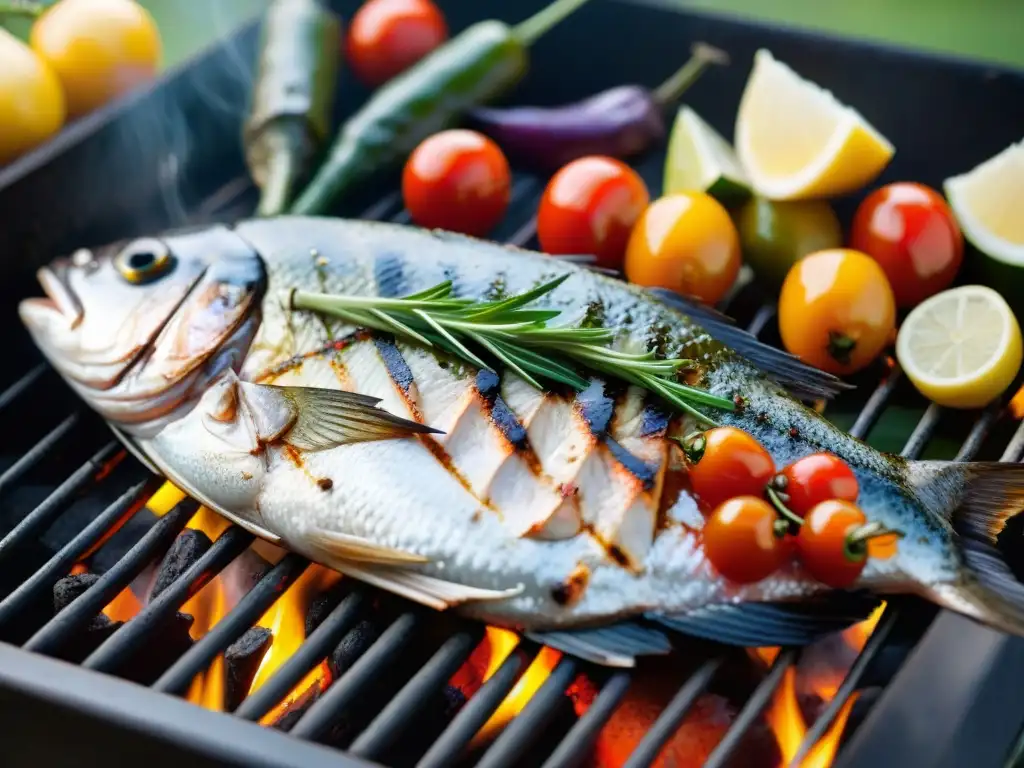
x=616 y=645
x=360 y=550
x=802 y=380
x=318 y=419
x=780 y=623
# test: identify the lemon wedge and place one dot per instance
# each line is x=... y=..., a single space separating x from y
x=987 y=203
x=797 y=141
x=961 y=348
x=699 y=159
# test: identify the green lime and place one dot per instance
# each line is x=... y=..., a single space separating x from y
x=700 y=160
x=774 y=235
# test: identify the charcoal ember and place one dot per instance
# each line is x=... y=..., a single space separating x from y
x=353 y=645
x=70 y=588
x=241 y=662
x=297 y=708
x=84 y=639
x=183 y=554
x=161 y=649
x=758 y=748
x=322 y=605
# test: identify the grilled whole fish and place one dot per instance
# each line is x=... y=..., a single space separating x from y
x=559 y=513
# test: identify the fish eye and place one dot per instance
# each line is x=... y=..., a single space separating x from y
x=144 y=261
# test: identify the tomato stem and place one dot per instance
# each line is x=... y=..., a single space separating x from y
x=840 y=346
x=855 y=547
x=693 y=446
x=791 y=517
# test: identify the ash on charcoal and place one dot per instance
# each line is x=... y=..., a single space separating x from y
x=241 y=662
x=70 y=588
x=352 y=646
x=187 y=548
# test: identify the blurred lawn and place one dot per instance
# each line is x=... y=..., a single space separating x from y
x=986 y=29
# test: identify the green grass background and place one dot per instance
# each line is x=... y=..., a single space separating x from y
x=984 y=29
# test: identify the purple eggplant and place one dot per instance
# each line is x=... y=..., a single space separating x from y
x=620 y=122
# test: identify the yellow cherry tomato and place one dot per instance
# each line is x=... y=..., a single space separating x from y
x=31 y=100
x=837 y=310
x=687 y=243
x=100 y=49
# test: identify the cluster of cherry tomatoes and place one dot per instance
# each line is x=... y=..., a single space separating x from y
x=760 y=518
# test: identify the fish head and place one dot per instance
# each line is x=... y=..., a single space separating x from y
x=138 y=329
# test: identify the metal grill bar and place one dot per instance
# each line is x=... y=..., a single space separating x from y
x=58 y=565
x=872 y=410
x=529 y=725
x=14 y=391
x=33 y=524
x=360 y=675
x=752 y=709
x=50 y=637
x=37 y=452
x=669 y=720
x=120 y=646
x=408 y=702
x=474 y=715
x=979 y=433
x=578 y=741
x=308 y=655
x=180 y=675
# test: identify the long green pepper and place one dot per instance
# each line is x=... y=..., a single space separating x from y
x=472 y=68
x=290 y=112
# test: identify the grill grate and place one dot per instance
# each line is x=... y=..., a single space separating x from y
x=400 y=716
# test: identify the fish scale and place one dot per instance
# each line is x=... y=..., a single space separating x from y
x=542 y=511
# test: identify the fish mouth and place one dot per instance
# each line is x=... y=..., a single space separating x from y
x=59 y=299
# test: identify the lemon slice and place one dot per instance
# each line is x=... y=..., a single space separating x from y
x=699 y=159
x=987 y=202
x=961 y=348
x=796 y=141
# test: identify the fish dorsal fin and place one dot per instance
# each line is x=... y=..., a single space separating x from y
x=616 y=645
x=761 y=624
x=360 y=550
x=314 y=419
x=802 y=380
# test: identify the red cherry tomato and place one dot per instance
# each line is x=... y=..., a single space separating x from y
x=823 y=544
x=387 y=37
x=911 y=232
x=816 y=478
x=733 y=463
x=590 y=206
x=740 y=540
x=457 y=180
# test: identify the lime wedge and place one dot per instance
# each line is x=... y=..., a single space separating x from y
x=987 y=202
x=700 y=160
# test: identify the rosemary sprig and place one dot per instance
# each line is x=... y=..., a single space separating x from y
x=518 y=338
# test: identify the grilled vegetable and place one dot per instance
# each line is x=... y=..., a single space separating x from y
x=386 y=37
x=620 y=122
x=289 y=117
x=590 y=206
x=31 y=99
x=457 y=180
x=475 y=66
x=557 y=510
x=100 y=49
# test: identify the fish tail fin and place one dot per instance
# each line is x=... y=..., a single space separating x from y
x=981 y=500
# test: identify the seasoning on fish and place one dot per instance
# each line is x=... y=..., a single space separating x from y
x=564 y=512
x=620 y=122
x=479 y=64
x=289 y=117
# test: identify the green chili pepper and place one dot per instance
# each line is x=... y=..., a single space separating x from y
x=290 y=113
x=475 y=66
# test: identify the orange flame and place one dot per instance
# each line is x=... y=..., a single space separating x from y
x=1016 y=404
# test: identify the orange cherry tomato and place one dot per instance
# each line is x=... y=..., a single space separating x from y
x=729 y=462
x=824 y=545
x=816 y=478
x=741 y=542
x=911 y=232
x=686 y=243
x=457 y=180
x=31 y=99
x=836 y=310
x=590 y=206
x=99 y=49
x=387 y=37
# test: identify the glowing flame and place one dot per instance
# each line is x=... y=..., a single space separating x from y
x=286 y=620
x=164 y=500
x=1016 y=404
